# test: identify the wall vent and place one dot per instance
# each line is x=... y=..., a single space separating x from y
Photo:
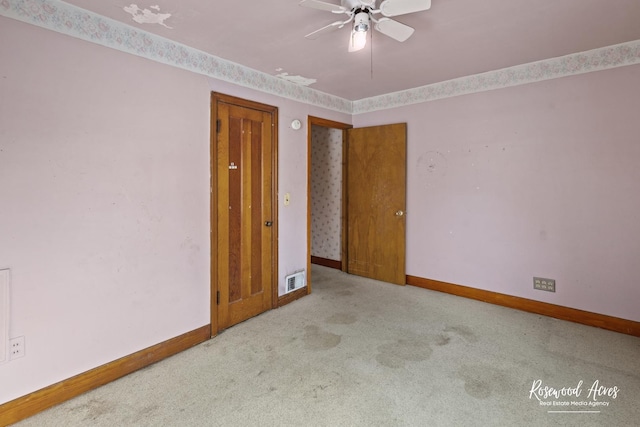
x=295 y=281
x=4 y=316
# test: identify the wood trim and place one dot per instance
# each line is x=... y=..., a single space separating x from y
x=26 y=406
x=326 y=262
x=344 y=242
x=319 y=121
x=615 y=324
x=229 y=99
x=292 y=296
x=310 y=121
x=213 y=212
x=274 y=208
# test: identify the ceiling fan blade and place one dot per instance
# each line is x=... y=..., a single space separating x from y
x=402 y=7
x=326 y=29
x=394 y=29
x=322 y=5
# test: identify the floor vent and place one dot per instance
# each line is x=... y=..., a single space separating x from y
x=295 y=281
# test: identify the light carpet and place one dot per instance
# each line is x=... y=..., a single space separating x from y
x=357 y=352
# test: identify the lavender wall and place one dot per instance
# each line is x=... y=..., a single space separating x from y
x=104 y=203
x=104 y=217
x=535 y=180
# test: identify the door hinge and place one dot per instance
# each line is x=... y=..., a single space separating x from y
x=218 y=125
x=217 y=297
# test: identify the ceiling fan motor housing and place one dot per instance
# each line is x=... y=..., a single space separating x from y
x=357 y=4
x=361 y=20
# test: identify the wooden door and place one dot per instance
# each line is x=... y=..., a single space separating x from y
x=376 y=202
x=243 y=224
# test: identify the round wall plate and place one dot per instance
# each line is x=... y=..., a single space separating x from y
x=296 y=124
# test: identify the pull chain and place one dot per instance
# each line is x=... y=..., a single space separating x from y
x=371 y=53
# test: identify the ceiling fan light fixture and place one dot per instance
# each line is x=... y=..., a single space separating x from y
x=358 y=39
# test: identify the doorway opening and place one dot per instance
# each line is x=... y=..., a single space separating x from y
x=327 y=193
x=357 y=199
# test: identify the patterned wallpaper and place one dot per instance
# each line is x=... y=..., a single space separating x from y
x=71 y=20
x=326 y=192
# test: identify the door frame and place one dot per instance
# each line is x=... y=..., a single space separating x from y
x=317 y=121
x=216 y=99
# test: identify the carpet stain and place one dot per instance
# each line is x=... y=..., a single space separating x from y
x=313 y=393
x=95 y=408
x=396 y=354
x=481 y=382
x=477 y=388
x=144 y=413
x=317 y=339
x=464 y=332
x=342 y=319
x=442 y=340
x=344 y=293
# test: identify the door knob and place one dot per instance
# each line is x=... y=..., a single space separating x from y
x=400 y=213
x=268 y=223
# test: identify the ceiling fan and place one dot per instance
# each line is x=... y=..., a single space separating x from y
x=362 y=14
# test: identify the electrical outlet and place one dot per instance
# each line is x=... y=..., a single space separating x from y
x=16 y=348
x=541 y=284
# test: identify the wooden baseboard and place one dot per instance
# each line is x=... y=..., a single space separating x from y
x=292 y=296
x=26 y=406
x=616 y=324
x=326 y=262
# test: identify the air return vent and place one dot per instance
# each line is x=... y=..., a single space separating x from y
x=295 y=281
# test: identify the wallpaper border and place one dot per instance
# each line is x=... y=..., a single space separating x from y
x=577 y=63
x=71 y=20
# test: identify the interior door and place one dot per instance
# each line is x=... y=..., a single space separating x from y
x=243 y=258
x=376 y=202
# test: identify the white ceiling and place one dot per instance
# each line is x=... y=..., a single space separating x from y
x=455 y=38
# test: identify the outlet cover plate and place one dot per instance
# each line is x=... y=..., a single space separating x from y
x=542 y=284
x=16 y=348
